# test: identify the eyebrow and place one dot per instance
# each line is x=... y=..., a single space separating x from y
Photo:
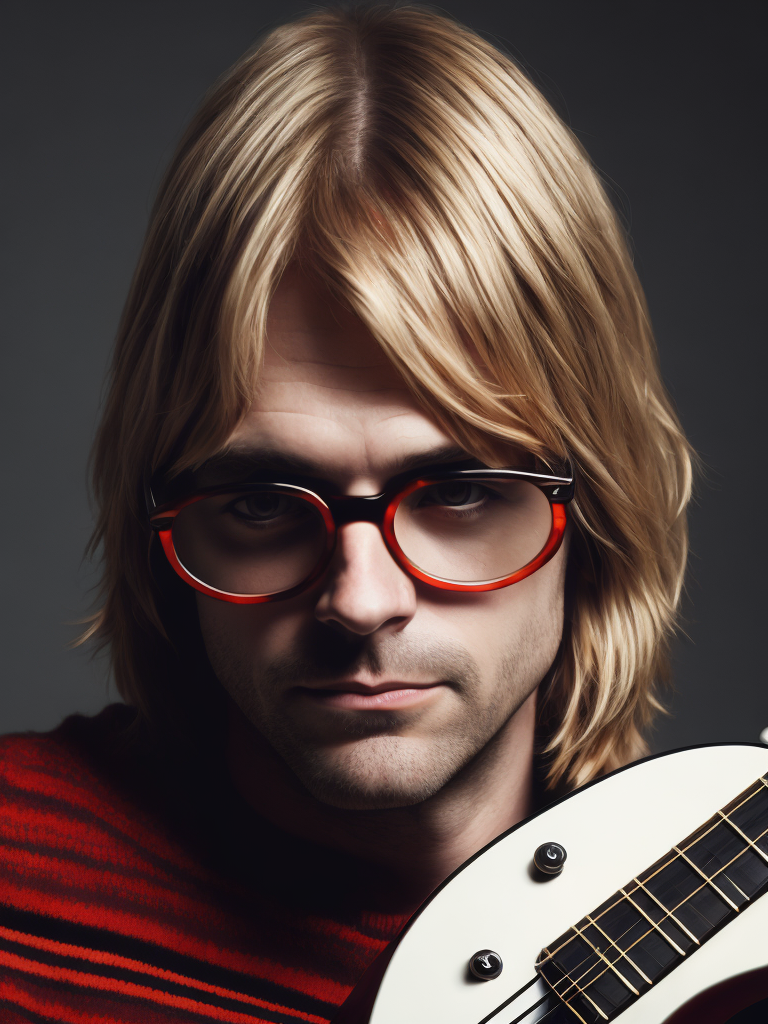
x=240 y=459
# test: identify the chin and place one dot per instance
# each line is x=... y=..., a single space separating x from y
x=382 y=773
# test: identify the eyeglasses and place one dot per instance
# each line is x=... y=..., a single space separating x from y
x=470 y=529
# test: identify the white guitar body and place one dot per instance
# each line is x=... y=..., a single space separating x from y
x=612 y=831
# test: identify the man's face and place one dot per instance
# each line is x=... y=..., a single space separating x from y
x=374 y=688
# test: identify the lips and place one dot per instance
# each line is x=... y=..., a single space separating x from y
x=354 y=695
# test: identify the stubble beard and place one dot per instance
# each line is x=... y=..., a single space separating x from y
x=383 y=760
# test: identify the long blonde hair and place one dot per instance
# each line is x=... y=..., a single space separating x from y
x=445 y=202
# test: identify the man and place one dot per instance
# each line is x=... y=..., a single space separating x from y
x=391 y=511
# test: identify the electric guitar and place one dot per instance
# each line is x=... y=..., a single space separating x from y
x=636 y=897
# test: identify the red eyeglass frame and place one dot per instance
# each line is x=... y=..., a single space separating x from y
x=380 y=509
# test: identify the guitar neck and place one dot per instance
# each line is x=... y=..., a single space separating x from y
x=613 y=955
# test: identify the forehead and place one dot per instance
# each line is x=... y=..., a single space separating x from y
x=327 y=393
x=308 y=326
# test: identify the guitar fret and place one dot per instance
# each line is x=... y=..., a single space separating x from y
x=663 y=934
x=574 y=1010
x=570 y=987
x=626 y=923
x=676 y=887
x=584 y=994
x=568 y=995
x=746 y=799
x=664 y=913
x=669 y=913
x=665 y=864
x=637 y=947
x=678 y=884
x=750 y=815
x=567 y=965
x=611 y=988
x=699 y=834
x=722 y=871
x=748 y=857
x=728 y=856
x=569 y=983
x=709 y=881
x=553 y=953
x=550 y=951
x=603 y=995
x=622 y=953
x=741 y=891
x=627 y=929
x=612 y=967
x=584 y=975
x=721 y=819
x=589 y=998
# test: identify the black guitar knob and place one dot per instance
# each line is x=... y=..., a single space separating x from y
x=550 y=858
x=486 y=965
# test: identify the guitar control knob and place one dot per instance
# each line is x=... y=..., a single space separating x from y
x=550 y=858
x=486 y=965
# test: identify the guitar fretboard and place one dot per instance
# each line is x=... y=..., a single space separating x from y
x=613 y=955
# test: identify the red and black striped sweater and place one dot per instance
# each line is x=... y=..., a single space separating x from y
x=138 y=888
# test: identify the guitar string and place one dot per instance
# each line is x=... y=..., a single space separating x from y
x=671 y=860
x=622 y=899
x=590 y=966
x=615 y=942
x=575 y=984
x=744 y=835
x=622 y=953
x=670 y=913
x=710 y=881
x=609 y=965
x=654 y=925
x=747 y=795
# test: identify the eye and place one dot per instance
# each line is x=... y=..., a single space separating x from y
x=454 y=494
x=264 y=506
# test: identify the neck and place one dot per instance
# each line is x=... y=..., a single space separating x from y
x=417 y=847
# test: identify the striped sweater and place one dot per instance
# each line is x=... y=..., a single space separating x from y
x=135 y=888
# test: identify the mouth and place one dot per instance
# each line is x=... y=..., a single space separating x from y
x=353 y=695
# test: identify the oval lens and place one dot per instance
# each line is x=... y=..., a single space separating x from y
x=255 y=543
x=473 y=531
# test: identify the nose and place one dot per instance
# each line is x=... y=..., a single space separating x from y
x=365 y=590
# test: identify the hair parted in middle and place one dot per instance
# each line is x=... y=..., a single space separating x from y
x=419 y=171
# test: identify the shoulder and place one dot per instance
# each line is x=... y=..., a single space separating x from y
x=62 y=794
x=83 y=839
x=59 y=765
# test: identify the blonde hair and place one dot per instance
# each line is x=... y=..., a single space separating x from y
x=419 y=170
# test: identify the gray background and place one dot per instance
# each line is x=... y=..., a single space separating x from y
x=665 y=98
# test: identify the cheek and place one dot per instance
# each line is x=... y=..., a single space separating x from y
x=257 y=633
x=524 y=620
x=535 y=603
